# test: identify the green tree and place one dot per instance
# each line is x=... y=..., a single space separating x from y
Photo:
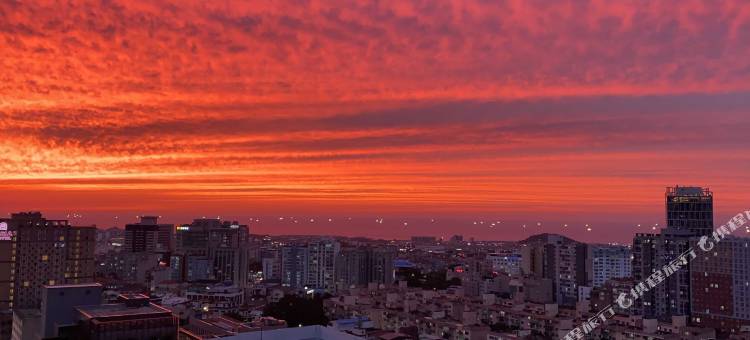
x=298 y=311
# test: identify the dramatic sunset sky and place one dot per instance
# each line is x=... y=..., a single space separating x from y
x=525 y=112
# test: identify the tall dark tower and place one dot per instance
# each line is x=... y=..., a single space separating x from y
x=690 y=209
x=689 y=214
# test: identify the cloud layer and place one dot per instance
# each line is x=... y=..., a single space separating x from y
x=462 y=108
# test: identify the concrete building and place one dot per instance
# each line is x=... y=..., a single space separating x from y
x=690 y=209
x=363 y=265
x=59 y=302
x=560 y=259
x=311 y=265
x=720 y=286
x=149 y=236
x=321 y=265
x=35 y=251
x=609 y=262
x=270 y=259
x=605 y=294
x=222 y=327
x=26 y=324
x=294 y=266
x=689 y=214
x=216 y=300
x=506 y=262
x=137 y=267
x=132 y=318
x=214 y=250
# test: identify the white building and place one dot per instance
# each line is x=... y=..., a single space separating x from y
x=609 y=262
x=216 y=300
x=321 y=264
x=509 y=263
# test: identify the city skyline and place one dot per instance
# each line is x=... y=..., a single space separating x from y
x=374 y=169
x=567 y=113
x=483 y=228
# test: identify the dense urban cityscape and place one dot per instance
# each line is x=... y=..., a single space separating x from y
x=374 y=169
x=211 y=279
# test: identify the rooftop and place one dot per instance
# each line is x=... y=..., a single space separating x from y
x=120 y=309
x=80 y=285
x=306 y=333
x=688 y=191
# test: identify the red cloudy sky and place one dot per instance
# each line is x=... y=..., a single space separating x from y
x=514 y=111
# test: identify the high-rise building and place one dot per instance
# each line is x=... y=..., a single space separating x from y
x=311 y=265
x=609 y=262
x=35 y=251
x=294 y=266
x=720 y=286
x=148 y=236
x=271 y=264
x=672 y=296
x=689 y=214
x=690 y=209
x=560 y=259
x=363 y=265
x=214 y=250
x=321 y=264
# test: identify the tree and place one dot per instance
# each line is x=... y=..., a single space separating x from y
x=298 y=311
x=432 y=280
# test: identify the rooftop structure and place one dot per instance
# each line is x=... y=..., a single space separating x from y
x=134 y=317
x=307 y=333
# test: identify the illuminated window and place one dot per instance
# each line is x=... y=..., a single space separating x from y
x=45 y=258
x=51 y=282
x=26 y=283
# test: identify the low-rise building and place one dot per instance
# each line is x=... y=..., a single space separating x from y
x=133 y=318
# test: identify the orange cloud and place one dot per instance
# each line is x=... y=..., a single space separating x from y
x=461 y=107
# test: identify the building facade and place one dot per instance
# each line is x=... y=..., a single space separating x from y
x=609 y=262
x=363 y=265
x=559 y=259
x=35 y=251
x=133 y=317
x=321 y=265
x=294 y=266
x=505 y=262
x=689 y=215
x=212 y=249
x=149 y=236
x=59 y=302
x=720 y=286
